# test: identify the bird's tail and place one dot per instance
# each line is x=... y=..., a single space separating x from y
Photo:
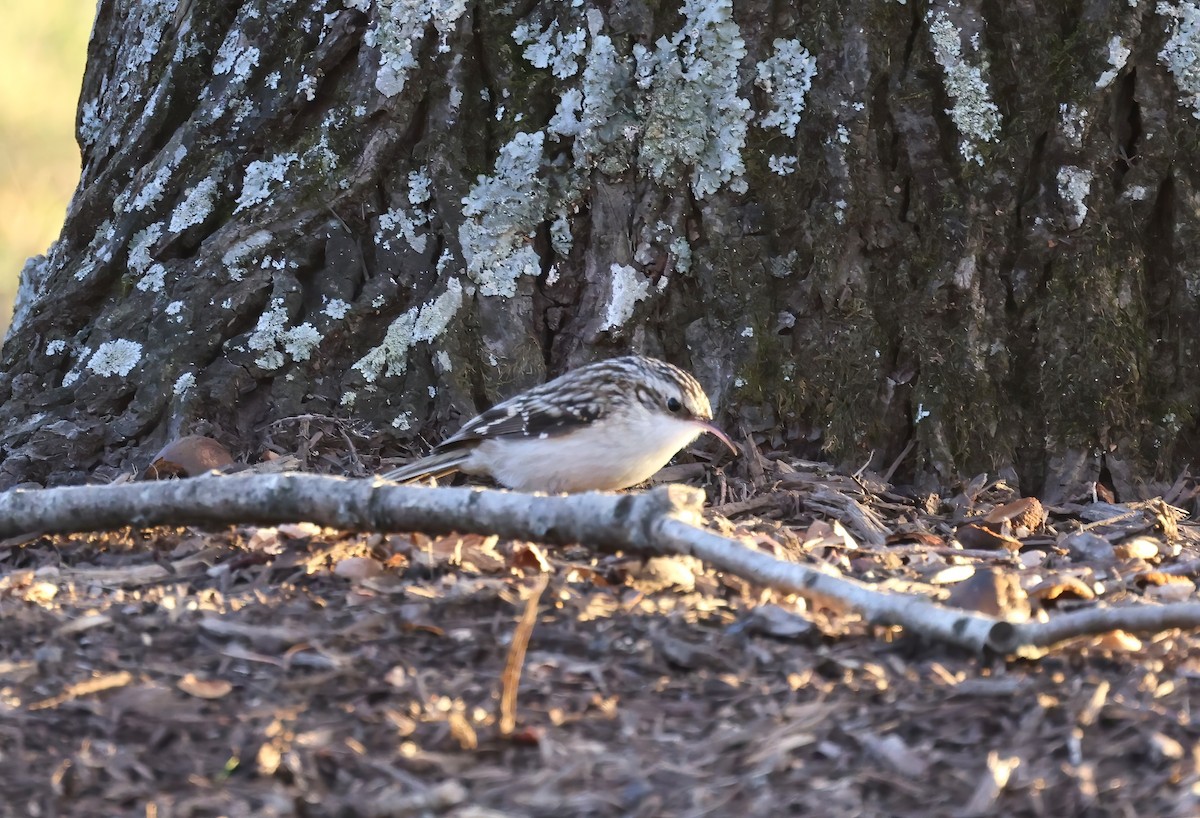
x=434 y=465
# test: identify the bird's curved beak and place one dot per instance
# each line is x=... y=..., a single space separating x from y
x=724 y=438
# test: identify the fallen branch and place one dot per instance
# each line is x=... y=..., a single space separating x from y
x=664 y=520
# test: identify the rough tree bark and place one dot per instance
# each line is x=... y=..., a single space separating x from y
x=964 y=224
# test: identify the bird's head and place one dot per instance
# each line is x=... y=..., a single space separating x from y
x=672 y=393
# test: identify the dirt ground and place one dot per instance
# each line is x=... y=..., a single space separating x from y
x=300 y=671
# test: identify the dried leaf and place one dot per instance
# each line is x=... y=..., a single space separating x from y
x=187 y=457
x=773 y=620
x=529 y=557
x=914 y=537
x=1167 y=747
x=1138 y=548
x=204 y=688
x=299 y=531
x=1175 y=592
x=1061 y=586
x=951 y=575
x=1161 y=578
x=357 y=569
x=993 y=592
x=1119 y=641
x=978 y=537
x=462 y=731
x=84 y=623
x=97 y=684
x=1027 y=512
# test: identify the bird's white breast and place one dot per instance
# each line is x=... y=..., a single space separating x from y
x=609 y=454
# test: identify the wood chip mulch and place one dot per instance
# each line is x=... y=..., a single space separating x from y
x=297 y=671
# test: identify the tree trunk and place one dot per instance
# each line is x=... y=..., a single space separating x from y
x=963 y=225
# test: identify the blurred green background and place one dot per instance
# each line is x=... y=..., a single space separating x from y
x=43 y=48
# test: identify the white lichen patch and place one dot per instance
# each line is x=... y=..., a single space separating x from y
x=140 y=246
x=604 y=75
x=786 y=76
x=502 y=211
x=336 y=309
x=273 y=338
x=975 y=115
x=552 y=49
x=782 y=165
x=183 y=383
x=628 y=287
x=1074 y=185
x=152 y=191
x=1074 y=123
x=308 y=87
x=90 y=124
x=1118 y=55
x=261 y=177
x=681 y=250
x=560 y=234
x=418 y=187
x=419 y=324
x=1181 y=53
x=693 y=115
x=56 y=346
x=398 y=221
x=565 y=121
x=196 y=205
x=236 y=256
x=399 y=32
x=117 y=357
x=153 y=280
x=235 y=57
x=301 y=340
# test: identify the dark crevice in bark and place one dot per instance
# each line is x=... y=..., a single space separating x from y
x=910 y=42
x=485 y=74
x=1105 y=479
x=1026 y=193
x=1165 y=367
x=1127 y=126
x=1043 y=282
x=1160 y=239
x=544 y=323
x=883 y=124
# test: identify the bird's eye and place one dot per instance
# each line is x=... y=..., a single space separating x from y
x=673 y=404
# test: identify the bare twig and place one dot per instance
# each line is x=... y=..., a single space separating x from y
x=511 y=680
x=887 y=475
x=665 y=520
x=864 y=522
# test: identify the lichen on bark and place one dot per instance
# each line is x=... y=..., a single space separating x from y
x=864 y=224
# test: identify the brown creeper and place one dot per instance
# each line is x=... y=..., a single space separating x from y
x=605 y=426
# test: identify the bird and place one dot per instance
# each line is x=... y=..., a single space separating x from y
x=604 y=426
